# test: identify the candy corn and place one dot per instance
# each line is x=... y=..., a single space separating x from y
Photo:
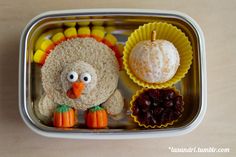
x=40 y=56
x=70 y=32
x=47 y=45
x=110 y=40
x=98 y=34
x=58 y=37
x=84 y=32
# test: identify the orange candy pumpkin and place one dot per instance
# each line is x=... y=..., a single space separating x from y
x=64 y=117
x=96 y=118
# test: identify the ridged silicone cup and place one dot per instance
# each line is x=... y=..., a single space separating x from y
x=167 y=32
x=134 y=97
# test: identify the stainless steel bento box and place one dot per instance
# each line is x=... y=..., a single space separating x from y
x=193 y=87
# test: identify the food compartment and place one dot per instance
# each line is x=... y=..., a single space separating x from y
x=121 y=26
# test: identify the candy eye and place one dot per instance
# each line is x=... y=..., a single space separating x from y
x=72 y=76
x=85 y=77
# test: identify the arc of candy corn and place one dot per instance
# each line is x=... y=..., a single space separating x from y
x=46 y=44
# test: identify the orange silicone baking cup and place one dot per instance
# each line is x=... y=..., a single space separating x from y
x=137 y=94
x=167 y=32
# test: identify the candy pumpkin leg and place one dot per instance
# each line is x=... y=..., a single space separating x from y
x=96 y=118
x=64 y=117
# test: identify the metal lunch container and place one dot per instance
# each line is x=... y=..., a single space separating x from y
x=193 y=86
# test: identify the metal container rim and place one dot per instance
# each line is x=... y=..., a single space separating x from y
x=117 y=12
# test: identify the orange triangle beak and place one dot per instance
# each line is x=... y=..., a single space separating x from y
x=77 y=88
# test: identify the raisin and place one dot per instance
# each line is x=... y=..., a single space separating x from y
x=154 y=94
x=171 y=116
x=178 y=100
x=163 y=118
x=158 y=110
x=168 y=103
x=135 y=110
x=155 y=104
x=171 y=94
x=177 y=113
x=153 y=121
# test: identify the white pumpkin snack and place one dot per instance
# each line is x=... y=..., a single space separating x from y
x=154 y=61
x=80 y=70
x=157 y=55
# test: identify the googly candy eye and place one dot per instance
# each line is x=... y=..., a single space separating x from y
x=72 y=76
x=85 y=77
